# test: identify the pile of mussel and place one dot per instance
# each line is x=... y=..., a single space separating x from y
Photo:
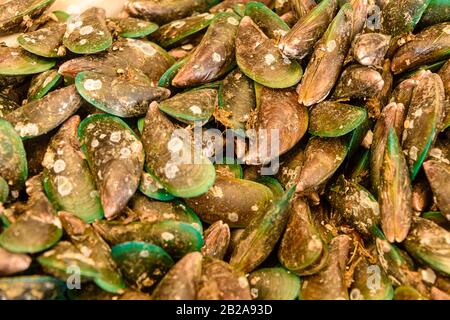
x=354 y=203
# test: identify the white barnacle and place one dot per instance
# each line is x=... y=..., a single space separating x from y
x=407 y=124
x=178 y=24
x=92 y=84
x=428 y=275
x=59 y=166
x=64 y=186
x=232 y=21
x=94 y=194
x=418 y=113
x=331 y=45
x=216 y=192
x=86 y=30
x=216 y=57
x=115 y=136
x=85 y=251
x=188 y=46
x=355 y=294
x=233 y=216
x=125 y=153
x=243 y=283
x=170 y=170
x=94 y=143
x=49 y=160
x=136 y=147
x=144 y=254
x=314 y=244
x=145 y=47
x=83 y=42
x=413 y=153
x=195 y=109
x=269 y=59
x=286 y=60
x=56 y=222
x=72 y=26
x=29 y=129
x=167 y=236
x=175 y=144
x=436 y=153
x=280 y=32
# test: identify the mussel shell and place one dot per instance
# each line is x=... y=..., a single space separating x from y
x=177 y=238
x=220 y=281
x=261 y=235
x=31 y=288
x=116 y=158
x=216 y=238
x=301 y=246
x=13 y=160
x=234 y=201
x=300 y=40
x=133 y=28
x=16 y=62
x=174 y=32
x=42 y=83
x=32 y=233
x=41 y=116
x=268 y=21
x=274 y=284
x=123 y=96
x=214 y=56
x=260 y=60
x=179 y=175
x=180 y=283
x=45 y=42
x=87 y=33
x=66 y=177
x=142 y=263
x=333 y=119
x=430 y=244
x=14 y=13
